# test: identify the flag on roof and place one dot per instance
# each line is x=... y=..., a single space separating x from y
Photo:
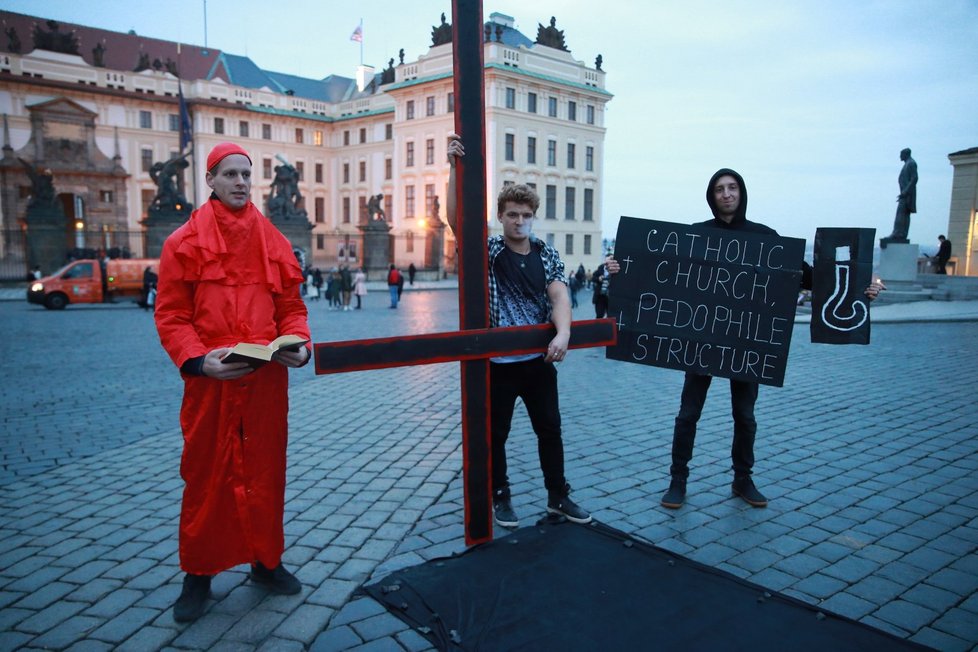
x=186 y=128
x=357 y=34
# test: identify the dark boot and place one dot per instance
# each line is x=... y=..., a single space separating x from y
x=190 y=605
x=676 y=495
x=743 y=486
x=277 y=580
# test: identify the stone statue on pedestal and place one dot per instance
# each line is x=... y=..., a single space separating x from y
x=551 y=36
x=283 y=203
x=906 y=201
x=43 y=196
x=168 y=177
x=375 y=209
x=442 y=33
x=435 y=211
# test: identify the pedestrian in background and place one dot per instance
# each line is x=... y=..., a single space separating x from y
x=943 y=255
x=346 y=284
x=359 y=286
x=150 y=280
x=599 y=296
x=335 y=283
x=395 y=281
x=317 y=283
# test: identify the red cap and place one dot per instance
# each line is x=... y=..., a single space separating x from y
x=220 y=152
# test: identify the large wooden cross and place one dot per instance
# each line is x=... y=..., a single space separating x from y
x=475 y=343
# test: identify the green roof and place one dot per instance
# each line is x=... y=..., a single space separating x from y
x=549 y=78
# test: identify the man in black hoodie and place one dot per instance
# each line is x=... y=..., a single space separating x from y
x=726 y=195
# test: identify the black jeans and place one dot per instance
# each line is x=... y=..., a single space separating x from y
x=743 y=395
x=535 y=381
x=600 y=306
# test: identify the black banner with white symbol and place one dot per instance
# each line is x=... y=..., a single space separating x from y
x=842 y=270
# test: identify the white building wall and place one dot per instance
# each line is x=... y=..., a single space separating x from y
x=119 y=97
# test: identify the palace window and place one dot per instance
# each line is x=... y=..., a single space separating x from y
x=409 y=201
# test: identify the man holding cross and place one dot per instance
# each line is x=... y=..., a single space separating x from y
x=526 y=286
x=228 y=276
x=726 y=195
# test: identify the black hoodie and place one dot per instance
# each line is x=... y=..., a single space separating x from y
x=740 y=221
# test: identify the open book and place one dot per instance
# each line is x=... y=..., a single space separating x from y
x=258 y=354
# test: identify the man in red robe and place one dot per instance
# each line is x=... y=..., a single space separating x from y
x=228 y=276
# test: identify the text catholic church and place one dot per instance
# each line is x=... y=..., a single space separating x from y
x=93 y=130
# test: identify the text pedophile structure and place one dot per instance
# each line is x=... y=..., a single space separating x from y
x=705 y=300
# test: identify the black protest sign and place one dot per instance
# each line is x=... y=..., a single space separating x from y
x=706 y=300
x=842 y=270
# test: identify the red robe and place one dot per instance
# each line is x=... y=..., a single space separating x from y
x=227 y=277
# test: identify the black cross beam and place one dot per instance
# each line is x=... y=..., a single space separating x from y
x=475 y=343
x=457 y=346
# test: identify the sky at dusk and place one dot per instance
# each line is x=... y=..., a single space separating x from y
x=810 y=101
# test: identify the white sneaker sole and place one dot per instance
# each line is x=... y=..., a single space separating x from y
x=572 y=519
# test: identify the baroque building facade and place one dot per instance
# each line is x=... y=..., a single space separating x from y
x=962 y=222
x=97 y=109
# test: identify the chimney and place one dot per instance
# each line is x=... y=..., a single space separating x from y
x=364 y=76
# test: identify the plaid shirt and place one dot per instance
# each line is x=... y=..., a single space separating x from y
x=553 y=269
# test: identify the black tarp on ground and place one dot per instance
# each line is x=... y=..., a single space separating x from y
x=560 y=586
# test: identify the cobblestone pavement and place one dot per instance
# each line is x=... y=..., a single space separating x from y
x=868 y=454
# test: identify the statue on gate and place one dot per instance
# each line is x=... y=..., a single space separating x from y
x=168 y=177
x=284 y=203
x=375 y=210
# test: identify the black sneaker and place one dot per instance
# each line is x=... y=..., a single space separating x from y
x=561 y=504
x=193 y=598
x=676 y=495
x=503 y=512
x=278 y=580
x=744 y=487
